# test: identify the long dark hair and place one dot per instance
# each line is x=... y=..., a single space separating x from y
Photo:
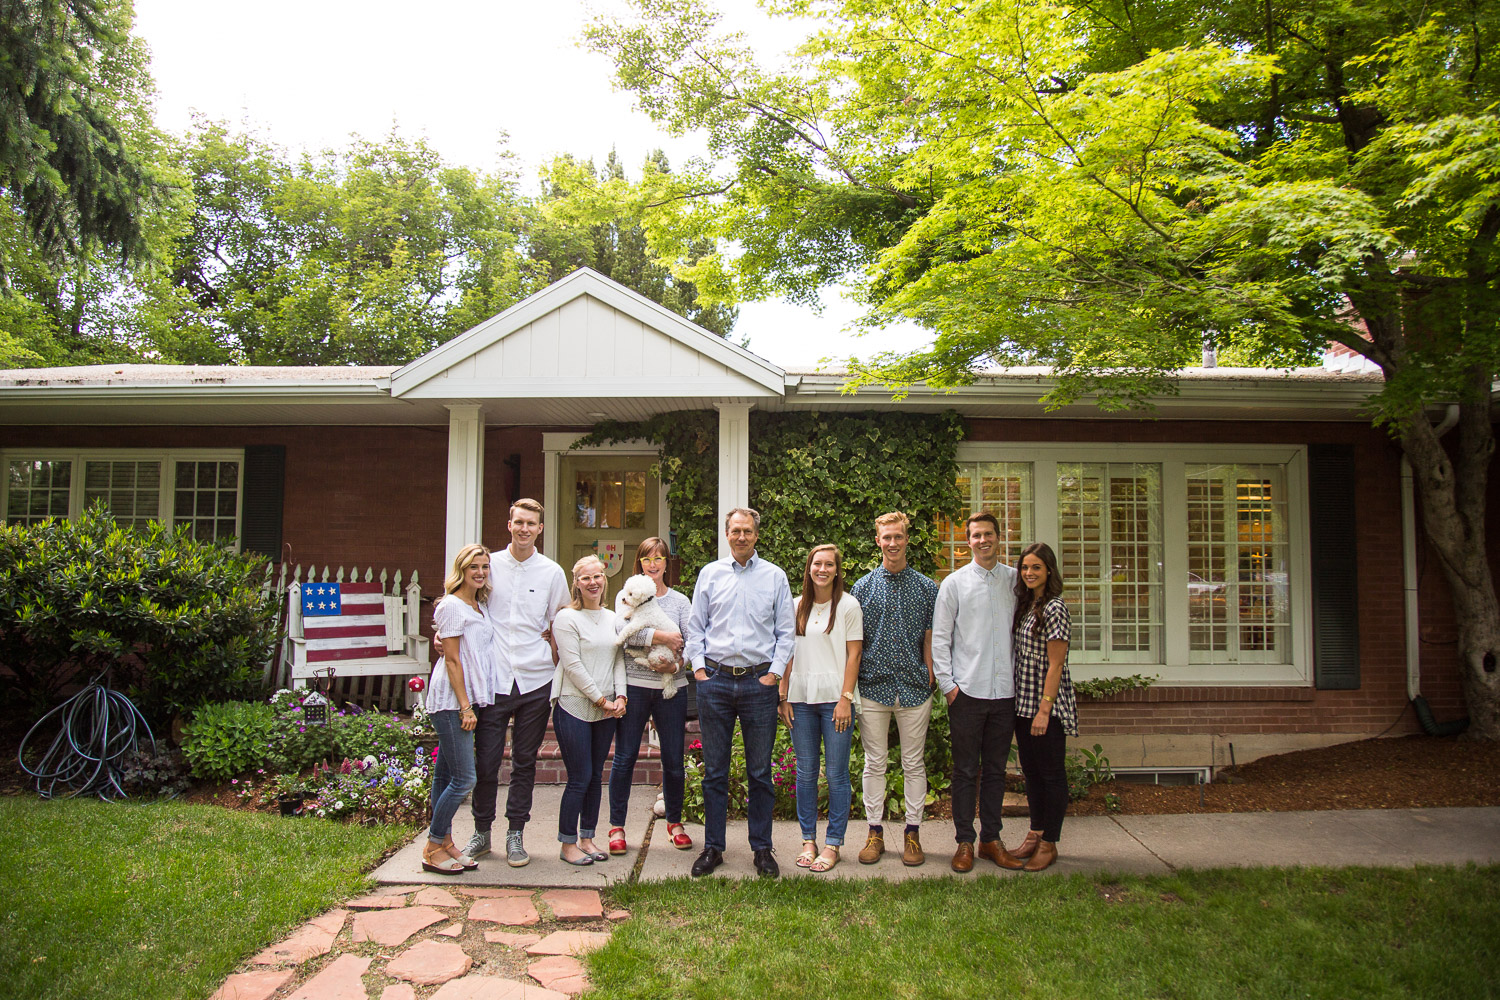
x=1052 y=588
x=805 y=604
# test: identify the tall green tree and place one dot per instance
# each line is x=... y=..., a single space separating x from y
x=584 y=219
x=1104 y=186
x=369 y=255
x=70 y=161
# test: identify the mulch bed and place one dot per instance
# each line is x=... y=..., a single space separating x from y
x=1394 y=773
x=1403 y=772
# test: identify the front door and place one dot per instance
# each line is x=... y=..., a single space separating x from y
x=610 y=504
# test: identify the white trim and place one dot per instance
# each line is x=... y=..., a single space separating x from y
x=168 y=457
x=734 y=464
x=464 y=522
x=585 y=281
x=1173 y=459
x=557 y=443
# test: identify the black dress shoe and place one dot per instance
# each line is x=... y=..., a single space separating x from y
x=765 y=864
x=710 y=859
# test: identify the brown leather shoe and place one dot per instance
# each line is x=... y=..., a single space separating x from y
x=1046 y=853
x=912 y=855
x=873 y=849
x=996 y=852
x=963 y=858
x=1028 y=846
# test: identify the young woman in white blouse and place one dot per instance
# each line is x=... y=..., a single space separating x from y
x=460 y=682
x=588 y=695
x=817 y=700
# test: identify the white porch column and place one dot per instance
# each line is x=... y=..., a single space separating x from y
x=465 y=478
x=734 y=464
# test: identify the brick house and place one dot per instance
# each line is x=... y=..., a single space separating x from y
x=1254 y=546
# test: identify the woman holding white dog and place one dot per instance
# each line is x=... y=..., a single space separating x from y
x=817 y=695
x=648 y=702
x=588 y=695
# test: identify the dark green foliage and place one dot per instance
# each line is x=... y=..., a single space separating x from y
x=65 y=161
x=159 y=774
x=814 y=477
x=823 y=477
x=228 y=738
x=175 y=622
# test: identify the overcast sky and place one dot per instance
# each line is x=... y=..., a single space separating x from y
x=460 y=73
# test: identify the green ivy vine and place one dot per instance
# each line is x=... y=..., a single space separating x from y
x=815 y=477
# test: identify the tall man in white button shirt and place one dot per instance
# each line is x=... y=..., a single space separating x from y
x=526 y=591
x=971 y=658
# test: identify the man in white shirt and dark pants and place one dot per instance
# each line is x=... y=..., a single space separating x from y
x=526 y=591
x=971 y=658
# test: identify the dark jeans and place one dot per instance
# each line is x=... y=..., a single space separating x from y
x=1046 y=777
x=670 y=717
x=980 y=730
x=529 y=713
x=585 y=747
x=721 y=700
x=453 y=776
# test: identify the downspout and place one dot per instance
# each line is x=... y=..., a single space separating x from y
x=1409 y=574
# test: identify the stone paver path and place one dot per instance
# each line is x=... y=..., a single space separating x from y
x=439 y=944
x=560 y=973
x=393 y=927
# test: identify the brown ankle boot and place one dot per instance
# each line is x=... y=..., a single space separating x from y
x=873 y=849
x=1028 y=846
x=1046 y=853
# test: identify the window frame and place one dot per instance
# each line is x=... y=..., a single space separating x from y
x=168 y=457
x=1176 y=667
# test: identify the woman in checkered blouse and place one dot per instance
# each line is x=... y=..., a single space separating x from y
x=1046 y=711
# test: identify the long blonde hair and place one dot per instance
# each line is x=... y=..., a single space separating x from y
x=577 y=603
x=461 y=564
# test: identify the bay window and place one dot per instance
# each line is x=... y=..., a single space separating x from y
x=1184 y=561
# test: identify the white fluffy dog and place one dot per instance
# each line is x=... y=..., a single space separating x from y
x=644 y=611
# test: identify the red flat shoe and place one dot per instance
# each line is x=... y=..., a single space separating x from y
x=680 y=839
x=617 y=844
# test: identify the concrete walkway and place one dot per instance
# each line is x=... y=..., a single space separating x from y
x=1141 y=844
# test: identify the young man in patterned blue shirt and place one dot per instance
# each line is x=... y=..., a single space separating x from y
x=895 y=682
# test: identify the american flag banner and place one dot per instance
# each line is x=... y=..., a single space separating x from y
x=343 y=621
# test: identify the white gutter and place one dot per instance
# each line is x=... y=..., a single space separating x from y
x=1409 y=562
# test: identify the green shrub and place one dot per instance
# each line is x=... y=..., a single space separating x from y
x=228 y=738
x=297 y=744
x=175 y=621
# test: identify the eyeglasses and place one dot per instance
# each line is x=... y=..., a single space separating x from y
x=651 y=560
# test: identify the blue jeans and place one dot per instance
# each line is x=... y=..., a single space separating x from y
x=812 y=724
x=721 y=700
x=453 y=777
x=671 y=721
x=584 y=746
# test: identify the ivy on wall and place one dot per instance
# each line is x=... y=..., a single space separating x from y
x=815 y=477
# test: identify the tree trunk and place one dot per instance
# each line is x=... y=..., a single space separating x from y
x=1453 y=495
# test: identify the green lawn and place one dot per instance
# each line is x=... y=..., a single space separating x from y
x=161 y=900
x=1339 y=934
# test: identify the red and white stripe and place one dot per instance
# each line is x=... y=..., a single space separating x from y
x=358 y=630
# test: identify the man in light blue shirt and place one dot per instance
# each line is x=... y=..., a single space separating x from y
x=739 y=639
x=971 y=660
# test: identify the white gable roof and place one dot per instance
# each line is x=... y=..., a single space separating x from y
x=587 y=337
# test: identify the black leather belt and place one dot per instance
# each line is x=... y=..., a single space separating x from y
x=724 y=668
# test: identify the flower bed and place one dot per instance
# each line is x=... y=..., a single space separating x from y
x=363 y=767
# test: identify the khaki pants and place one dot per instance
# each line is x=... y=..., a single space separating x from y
x=874 y=732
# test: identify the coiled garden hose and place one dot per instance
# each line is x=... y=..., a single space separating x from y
x=97 y=727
